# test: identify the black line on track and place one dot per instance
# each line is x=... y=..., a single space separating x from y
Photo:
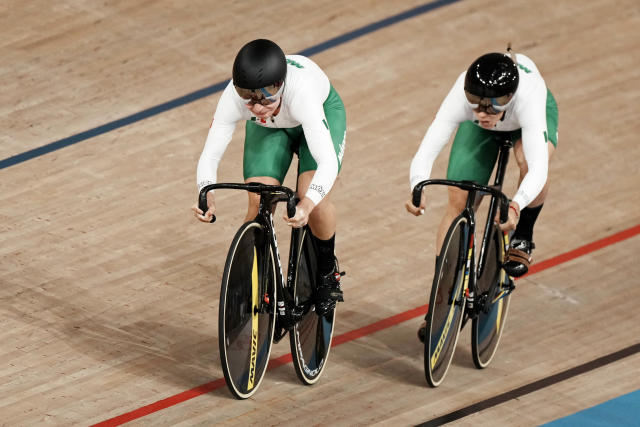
x=532 y=387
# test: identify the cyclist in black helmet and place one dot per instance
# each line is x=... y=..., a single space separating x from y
x=498 y=93
x=288 y=106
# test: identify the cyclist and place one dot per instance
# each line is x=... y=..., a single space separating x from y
x=289 y=106
x=499 y=93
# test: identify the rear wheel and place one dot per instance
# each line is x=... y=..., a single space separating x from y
x=246 y=317
x=446 y=304
x=311 y=337
x=492 y=302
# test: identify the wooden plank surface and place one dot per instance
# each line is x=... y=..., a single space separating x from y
x=109 y=287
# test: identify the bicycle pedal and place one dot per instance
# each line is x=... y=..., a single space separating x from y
x=323 y=308
x=510 y=286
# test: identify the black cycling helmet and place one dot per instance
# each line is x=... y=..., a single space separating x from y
x=493 y=75
x=259 y=64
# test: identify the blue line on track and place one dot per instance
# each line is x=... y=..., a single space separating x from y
x=210 y=90
x=621 y=411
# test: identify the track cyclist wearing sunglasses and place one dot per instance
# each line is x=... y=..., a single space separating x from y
x=498 y=93
x=288 y=106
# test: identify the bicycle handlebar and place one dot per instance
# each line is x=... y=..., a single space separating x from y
x=284 y=193
x=464 y=185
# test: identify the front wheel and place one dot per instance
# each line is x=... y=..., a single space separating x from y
x=311 y=337
x=246 y=316
x=492 y=301
x=446 y=303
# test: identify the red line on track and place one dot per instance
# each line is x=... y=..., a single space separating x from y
x=164 y=403
x=583 y=250
x=361 y=332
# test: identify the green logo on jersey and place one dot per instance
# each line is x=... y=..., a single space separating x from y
x=523 y=68
x=294 y=63
x=324 y=122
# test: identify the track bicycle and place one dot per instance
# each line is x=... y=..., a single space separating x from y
x=464 y=289
x=258 y=307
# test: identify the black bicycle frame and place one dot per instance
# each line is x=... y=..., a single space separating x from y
x=505 y=144
x=270 y=195
x=503 y=159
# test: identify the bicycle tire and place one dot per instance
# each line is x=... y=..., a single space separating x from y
x=311 y=337
x=446 y=303
x=492 y=299
x=245 y=334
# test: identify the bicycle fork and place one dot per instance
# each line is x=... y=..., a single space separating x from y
x=470 y=276
x=266 y=303
x=287 y=311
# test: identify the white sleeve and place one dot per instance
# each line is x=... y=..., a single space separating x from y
x=310 y=113
x=227 y=114
x=534 y=146
x=453 y=111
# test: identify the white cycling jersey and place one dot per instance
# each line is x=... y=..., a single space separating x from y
x=305 y=90
x=526 y=111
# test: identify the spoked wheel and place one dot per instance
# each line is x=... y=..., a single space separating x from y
x=492 y=302
x=311 y=337
x=446 y=304
x=245 y=326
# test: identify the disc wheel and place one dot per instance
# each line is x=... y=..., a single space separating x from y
x=311 y=337
x=492 y=302
x=446 y=304
x=246 y=317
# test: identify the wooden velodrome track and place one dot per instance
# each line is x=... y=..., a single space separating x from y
x=109 y=287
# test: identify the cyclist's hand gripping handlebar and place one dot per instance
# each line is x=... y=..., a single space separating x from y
x=417 y=195
x=279 y=193
x=468 y=186
x=291 y=206
x=202 y=203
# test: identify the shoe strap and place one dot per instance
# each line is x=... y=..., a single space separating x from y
x=517 y=255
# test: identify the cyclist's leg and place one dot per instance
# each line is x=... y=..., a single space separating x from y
x=254 y=198
x=322 y=222
x=322 y=219
x=267 y=156
x=522 y=239
x=457 y=201
x=473 y=155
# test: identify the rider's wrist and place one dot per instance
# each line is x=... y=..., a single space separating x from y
x=515 y=210
x=306 y=204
